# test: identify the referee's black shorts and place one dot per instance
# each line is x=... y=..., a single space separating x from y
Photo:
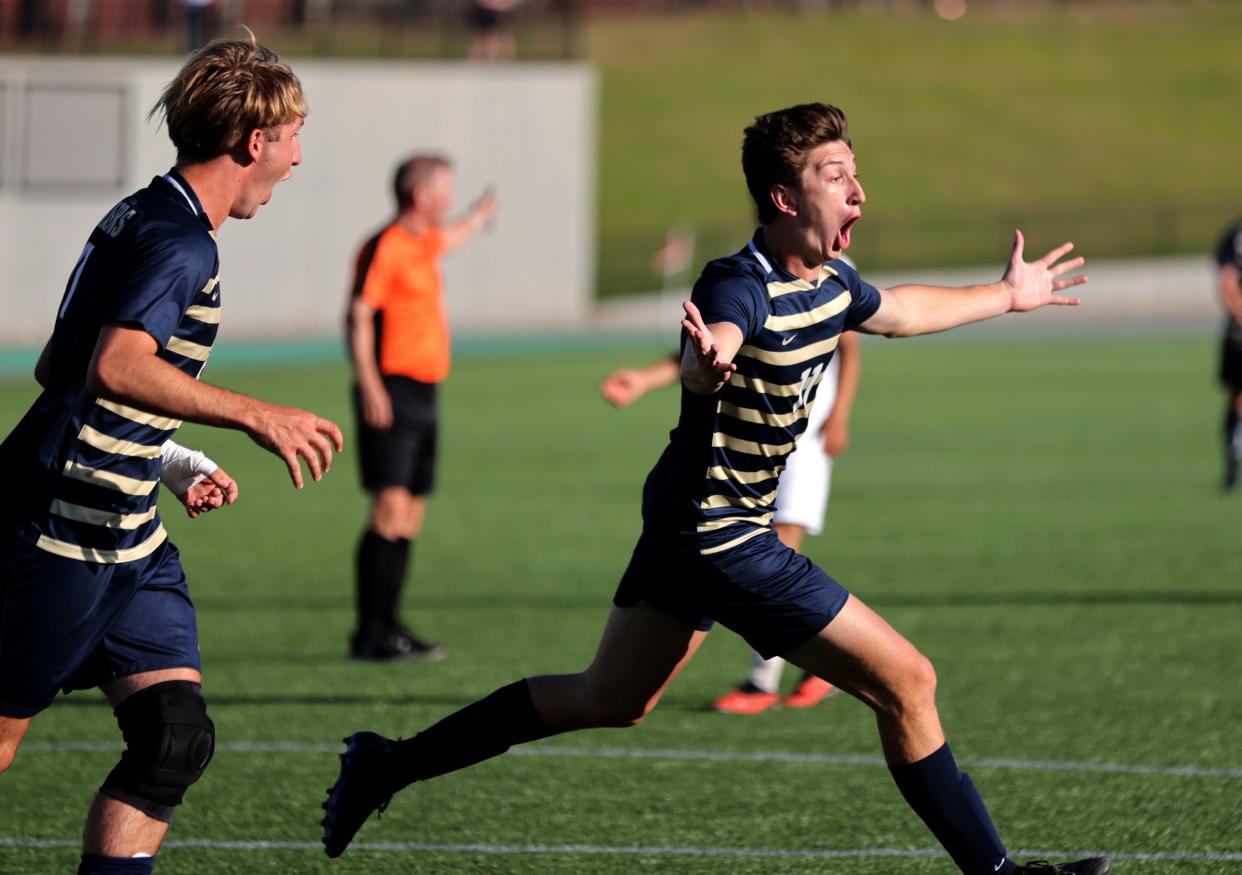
x=405 y=454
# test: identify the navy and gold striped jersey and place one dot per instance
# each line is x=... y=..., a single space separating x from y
x=87 y=468
x=716 y=481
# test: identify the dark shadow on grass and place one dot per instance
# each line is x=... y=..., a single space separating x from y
x=1050 y=598
x=351 y=700
x=486 y=599
x=600 y=600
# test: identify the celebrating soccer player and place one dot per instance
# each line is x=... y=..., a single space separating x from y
x=760 y=330
x=92 y=591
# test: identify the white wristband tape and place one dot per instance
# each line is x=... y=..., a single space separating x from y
x=183 y=467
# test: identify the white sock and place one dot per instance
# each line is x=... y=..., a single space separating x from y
x=766 y=673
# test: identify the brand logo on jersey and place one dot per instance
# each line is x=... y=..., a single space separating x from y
x=114 y=222
x=785 y=341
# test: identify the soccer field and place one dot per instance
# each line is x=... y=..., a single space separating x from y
x=1040 y=515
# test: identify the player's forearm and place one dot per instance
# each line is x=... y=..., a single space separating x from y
x=125 y=369
x=659 y=374
x=928 y=309
x=850 y=350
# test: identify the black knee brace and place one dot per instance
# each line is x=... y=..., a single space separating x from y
x=169 y=740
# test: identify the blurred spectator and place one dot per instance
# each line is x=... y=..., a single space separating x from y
x=195 y=23
x=1229 y=260
x=491 y=35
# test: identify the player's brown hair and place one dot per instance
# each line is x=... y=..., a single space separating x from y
x=412 y=174
x=227 y=89
x=776 y=146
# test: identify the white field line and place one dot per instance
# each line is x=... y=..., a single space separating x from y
x=630 y=850
x=708 y=755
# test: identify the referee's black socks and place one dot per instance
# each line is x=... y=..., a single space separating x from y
x=381 y=569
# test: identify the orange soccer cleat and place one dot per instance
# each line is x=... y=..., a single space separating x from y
x=746 y=699
x=809 y=691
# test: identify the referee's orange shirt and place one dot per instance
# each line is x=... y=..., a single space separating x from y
x=399 y=275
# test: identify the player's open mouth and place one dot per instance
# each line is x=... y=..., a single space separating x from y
x=843 y=236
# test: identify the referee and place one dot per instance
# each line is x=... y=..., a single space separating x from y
x=399 y=348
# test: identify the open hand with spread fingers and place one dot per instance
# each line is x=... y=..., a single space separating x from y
x=1035 y=284
x=296 y=434
x=711 y=369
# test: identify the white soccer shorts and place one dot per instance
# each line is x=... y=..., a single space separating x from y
x=802 y=496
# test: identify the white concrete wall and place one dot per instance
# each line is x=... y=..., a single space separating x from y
x=528 y=130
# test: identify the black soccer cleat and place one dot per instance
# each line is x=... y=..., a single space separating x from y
x=363 y=786
x=397 y=645
x=1091 y=866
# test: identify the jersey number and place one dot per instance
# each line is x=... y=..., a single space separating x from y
x=810 y=377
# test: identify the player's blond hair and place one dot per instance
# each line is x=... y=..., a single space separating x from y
x=227 y=89
x=776 y=147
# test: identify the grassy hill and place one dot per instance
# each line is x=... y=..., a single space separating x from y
x=1115 y=126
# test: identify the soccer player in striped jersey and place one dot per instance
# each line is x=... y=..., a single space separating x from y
x=800 y=504
x=760 y=329
x=92 y=591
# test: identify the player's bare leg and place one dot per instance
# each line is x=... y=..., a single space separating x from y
x=12 y=730
x=640 y=652
x=114 y=828
x=863 y=655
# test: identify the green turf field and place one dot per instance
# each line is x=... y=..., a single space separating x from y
x=1040 y=516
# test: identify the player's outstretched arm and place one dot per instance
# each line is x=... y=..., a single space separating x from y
x=707 y=360
x=125 y=368
x=624 y=386
x=909 y=310
x=836 y=430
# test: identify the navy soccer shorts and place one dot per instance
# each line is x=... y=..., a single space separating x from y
x=1231 y=359
x=772 y=596
x=405 y=454
x=72 y=625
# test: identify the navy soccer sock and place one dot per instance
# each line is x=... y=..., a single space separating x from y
x=947 y=801
x=97 y=864
x=477 y=732
x=1233 y=440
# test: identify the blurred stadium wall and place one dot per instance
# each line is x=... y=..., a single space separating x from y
x=74 y=139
